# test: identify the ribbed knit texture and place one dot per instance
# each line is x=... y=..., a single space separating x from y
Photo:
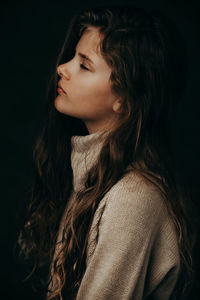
x=85 y=151
x=132 y=249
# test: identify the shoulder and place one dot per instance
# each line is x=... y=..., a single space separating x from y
x=133 y=216
x=133 y=209
x=136 y=209
x=132 y=193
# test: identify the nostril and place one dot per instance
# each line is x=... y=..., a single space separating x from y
x=62 y=72
x=59 y=72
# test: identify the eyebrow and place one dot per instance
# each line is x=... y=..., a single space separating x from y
x=85 y=57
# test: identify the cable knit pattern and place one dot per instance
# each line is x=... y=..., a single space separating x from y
x=93 y=234
x=132 y=251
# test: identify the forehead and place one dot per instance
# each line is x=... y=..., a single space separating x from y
x=90 y=40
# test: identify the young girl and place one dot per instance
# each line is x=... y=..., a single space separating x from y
x=107 y=216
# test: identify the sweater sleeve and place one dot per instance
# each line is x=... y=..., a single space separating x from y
x=124 y=264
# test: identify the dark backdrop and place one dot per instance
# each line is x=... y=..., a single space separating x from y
x=32 y=33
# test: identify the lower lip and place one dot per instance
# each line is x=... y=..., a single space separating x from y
x=60 y=91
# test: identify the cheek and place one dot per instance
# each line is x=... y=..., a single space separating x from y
x=96 y=87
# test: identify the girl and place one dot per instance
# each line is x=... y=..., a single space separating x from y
x=107 y=215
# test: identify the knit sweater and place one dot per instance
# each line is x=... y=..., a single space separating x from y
x=132 y=250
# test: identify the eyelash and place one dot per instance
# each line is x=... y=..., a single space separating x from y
x=84 y=67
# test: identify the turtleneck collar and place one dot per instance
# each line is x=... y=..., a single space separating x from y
x=85 y=152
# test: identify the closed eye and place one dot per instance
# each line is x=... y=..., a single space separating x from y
x=84 y=67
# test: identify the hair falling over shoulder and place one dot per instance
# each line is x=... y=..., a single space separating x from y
x=148 y=62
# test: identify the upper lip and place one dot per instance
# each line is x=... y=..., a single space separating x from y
x=59 y=84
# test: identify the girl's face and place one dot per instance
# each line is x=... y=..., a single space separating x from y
x=85 y=87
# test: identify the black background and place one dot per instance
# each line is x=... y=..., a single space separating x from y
x=32 y=33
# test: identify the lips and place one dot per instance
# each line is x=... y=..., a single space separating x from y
x=59 y=84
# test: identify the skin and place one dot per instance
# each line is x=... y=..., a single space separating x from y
x=88 y=94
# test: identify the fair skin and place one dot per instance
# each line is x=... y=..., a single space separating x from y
x=87 y=92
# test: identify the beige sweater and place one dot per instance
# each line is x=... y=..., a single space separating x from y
x=132 y=249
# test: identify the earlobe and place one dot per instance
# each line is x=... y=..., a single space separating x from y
x=117 y=106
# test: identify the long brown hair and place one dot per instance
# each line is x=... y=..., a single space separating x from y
x=147 y=57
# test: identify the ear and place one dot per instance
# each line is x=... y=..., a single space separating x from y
x=117 y=106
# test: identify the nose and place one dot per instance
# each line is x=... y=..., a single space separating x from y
x=62 y=71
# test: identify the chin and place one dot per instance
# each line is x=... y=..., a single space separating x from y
x=58 y=105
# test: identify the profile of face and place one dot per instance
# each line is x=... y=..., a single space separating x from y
x=85 y=88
